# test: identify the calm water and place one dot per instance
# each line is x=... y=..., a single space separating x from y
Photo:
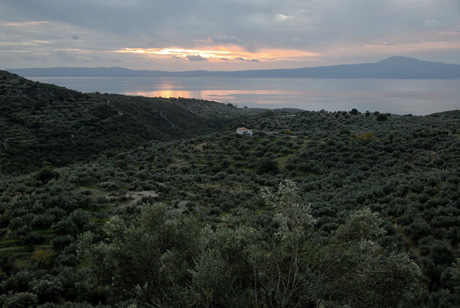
x=418 y=97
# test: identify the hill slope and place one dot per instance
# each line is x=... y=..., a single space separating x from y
x=402 y=168
x=42 y=122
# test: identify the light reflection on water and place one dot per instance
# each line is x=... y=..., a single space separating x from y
x=214 y=95
x=419 y=97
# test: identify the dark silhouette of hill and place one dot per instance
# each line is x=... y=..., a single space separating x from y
x=392 y=68
x=42 y=122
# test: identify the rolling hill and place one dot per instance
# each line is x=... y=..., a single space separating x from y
x=42 y=122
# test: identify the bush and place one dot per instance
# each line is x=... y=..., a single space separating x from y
x=215 y=211
x=19 y=300
x=418 y=229
x=60 y=241
x=266 y=165
x=33 y=238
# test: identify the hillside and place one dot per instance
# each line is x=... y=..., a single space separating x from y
x=316 y=209
x=391 y=68
x=42 y=122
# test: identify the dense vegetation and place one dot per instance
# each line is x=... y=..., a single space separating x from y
x=317 y=209
x=46 y=122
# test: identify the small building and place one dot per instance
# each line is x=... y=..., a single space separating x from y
x=244 y=131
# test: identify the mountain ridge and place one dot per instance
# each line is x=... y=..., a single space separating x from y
x=396 y=67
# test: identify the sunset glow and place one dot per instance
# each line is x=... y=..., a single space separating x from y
x=223 y=54
x=225 y=35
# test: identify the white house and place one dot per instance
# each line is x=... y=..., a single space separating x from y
x=244 y=131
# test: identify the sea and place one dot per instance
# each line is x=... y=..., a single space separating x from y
x=395 y=96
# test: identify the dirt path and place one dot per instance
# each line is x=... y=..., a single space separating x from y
x=137 y=196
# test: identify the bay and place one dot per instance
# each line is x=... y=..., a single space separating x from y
x=396 y=96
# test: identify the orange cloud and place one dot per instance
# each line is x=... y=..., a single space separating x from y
x=224 y=54
x=284 y=55
x=25 y=24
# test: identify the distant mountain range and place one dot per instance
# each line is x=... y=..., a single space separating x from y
x=392 y=68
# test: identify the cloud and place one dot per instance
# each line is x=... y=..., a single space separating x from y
x=221 y=39
x=432 y=23
x=282 y=17
x=227 y=39
x=298 y=41
x=177 y=58
x=31 y=58
x=64 y=57
x=196 y=58
x=245 y=28
x=247 y=60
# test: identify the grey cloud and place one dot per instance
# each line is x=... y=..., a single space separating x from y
x=178 y=58
x=221 y=39
x=98 y=59
x=253 y=24
x=243 y=59
x=31 y=58
x=115 y=16
x=178 y=20
x=298 y=41
x=64 y=56
x=227 y=39
x=75 y=37
x=194 y=58
x=432 y=23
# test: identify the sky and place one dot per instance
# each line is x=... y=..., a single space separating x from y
x=181 y=35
